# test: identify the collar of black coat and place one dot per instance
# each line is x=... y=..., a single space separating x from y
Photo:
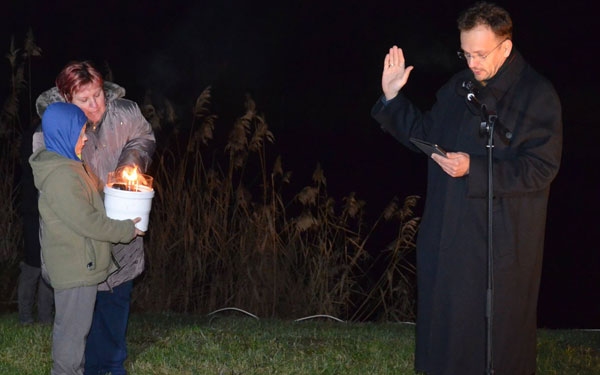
x=506 y=75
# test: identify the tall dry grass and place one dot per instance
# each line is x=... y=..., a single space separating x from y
x=12 y=128
x=223 y=236
x=226 y=229
x=10 y=224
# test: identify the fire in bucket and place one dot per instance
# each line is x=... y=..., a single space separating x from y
x=128 y=195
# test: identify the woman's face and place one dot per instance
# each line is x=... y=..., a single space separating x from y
x=90 y=98
x=80 y=142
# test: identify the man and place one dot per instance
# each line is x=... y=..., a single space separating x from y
x=453 y=236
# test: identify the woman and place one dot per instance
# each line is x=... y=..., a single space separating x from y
x=118 y=136
x=76 y=238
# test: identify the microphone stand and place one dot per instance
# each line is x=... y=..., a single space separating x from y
x=487 y=128
x=489 y=124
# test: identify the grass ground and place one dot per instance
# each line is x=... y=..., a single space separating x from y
x=232 y=344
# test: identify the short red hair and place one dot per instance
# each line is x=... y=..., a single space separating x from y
x=75 y=75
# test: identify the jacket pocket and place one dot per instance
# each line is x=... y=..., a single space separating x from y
x=90 y=255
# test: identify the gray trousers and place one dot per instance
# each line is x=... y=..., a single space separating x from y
x=30 y=283
x=72 y=321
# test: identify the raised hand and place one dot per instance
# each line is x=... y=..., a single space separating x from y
x=395 y=74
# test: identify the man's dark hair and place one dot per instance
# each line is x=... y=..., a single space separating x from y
x=490 y=14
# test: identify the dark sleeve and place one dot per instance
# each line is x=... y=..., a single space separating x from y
x=537 y=151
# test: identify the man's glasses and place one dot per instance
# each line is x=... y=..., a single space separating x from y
x=478 y=56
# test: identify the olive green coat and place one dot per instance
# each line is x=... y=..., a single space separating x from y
x=76 y=233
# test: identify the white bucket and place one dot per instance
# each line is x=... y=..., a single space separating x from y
x=124 y=204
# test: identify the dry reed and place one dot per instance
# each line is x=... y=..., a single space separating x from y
x=11 y=133
x=221 y=241
x=222 y=234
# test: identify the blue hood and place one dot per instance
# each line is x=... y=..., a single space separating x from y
x=61 y=126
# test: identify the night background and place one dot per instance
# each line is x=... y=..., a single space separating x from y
x=314 y=71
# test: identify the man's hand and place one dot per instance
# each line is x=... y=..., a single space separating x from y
x=395 y=74
x=456 y=164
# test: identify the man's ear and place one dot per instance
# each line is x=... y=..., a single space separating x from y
x=507 y=47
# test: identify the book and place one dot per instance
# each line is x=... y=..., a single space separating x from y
x=427 y=147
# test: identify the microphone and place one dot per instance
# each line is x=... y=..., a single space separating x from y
x=485 y=114
x=473 y=99
x=470 y=87
x=472 y=92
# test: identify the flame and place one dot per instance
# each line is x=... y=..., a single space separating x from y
x=133 y=179
x=130 y=174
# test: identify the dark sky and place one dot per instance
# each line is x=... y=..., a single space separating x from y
x=314 y=71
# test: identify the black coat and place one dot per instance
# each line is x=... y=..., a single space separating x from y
x=452 y=244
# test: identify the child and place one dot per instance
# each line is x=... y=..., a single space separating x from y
x=76 y=233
